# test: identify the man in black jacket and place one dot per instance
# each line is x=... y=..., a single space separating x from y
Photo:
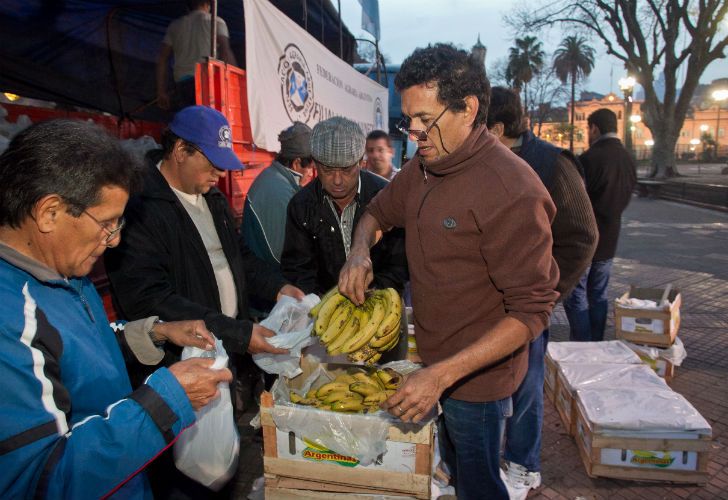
x=575 y=236
x=181 y=257
x=322 y=216
x=610 y=174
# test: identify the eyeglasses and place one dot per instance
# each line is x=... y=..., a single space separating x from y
x=111 y=233
x=418 y=135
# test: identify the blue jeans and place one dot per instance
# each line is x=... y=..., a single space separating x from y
x=587 y=306
x=470 y=437
x=523 y=429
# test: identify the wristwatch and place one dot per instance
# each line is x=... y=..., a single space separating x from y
x=157 y=342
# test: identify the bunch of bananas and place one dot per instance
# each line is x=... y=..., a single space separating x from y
x=355 y=392
x=363 y=332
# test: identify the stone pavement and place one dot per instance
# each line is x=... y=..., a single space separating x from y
x=662 y=242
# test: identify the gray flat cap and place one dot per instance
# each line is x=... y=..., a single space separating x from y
x=295 y=141
x=337 y=142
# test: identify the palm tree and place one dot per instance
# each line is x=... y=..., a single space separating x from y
x=525 y=60
x=573 y=59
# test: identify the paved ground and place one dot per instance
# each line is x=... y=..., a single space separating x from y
x=662 y=242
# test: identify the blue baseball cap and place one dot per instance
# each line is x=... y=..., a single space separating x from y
x=209 y=130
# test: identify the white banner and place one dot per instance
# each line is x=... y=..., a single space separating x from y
x=292 y=77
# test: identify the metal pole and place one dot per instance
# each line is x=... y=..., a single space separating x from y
x=213 y=29
x=341 y=34
x=628 y=122
x=379 y=58
x=717 y=135
x=321 y=15
x=305 y=15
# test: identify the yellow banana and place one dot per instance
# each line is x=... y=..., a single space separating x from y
x=378 y=342
x=364 y=388
x=348 y=405
x=345 y=378
x=362 y=354
x=309 y=402
x=339 y=395
x=361 y=376
x=373 y=360
x=393 y=317
x=376 y=398
x=326 y=312
x=391 y=345
x=362 y=337
x=390 y=378
x=311 y=393
x=334 y=347
x=338 y=321
x=327 y=389
x=295 y=398
x=315 y=309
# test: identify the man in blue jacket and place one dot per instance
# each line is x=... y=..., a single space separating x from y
x=70 y=425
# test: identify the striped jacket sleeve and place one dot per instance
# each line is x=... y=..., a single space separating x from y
x=41 y=453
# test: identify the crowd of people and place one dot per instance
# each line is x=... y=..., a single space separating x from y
x=487 y=225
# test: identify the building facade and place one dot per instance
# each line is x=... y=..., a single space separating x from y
x=698 y=134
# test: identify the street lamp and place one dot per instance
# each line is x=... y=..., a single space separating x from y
x=719 y=96
x=634 y=119
x=626 y=85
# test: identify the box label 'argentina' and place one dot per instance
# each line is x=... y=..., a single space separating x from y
x=650 y=458
x=321 y=454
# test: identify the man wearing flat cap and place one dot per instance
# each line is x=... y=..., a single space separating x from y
x=264 y=218
x=322 y=216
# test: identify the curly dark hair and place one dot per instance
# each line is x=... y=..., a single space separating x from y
x=71 y=158
x=505 y=107
x=456 y=73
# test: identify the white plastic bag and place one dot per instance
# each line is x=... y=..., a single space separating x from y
x=289 y=319
x=208 y=451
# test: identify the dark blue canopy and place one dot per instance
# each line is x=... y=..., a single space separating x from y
x=102 y=54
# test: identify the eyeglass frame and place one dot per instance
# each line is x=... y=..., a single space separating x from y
x=423 y=134
x=111 y=234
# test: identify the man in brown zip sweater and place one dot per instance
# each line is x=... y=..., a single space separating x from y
x=478 y=239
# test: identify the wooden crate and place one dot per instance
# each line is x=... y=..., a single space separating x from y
x=285 y=473
x=279 y=493
x=642 y=326
x=550 y=378
x=591 y=446
x=565 y=403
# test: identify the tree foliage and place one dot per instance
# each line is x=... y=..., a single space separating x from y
x=525 y=60
x=675 y=37
x=573 y=60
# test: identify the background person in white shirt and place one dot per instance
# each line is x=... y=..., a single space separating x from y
x=379 y=154
x=188 y=40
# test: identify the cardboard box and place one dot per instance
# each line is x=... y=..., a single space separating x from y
x=575 y=376
x=292 y=461
x=646 y=326
x=654 y=458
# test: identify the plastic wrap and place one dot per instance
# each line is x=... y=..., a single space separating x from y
x=603 y=376
x=361 y=436
x=613 y=351
x=675 y=354
x=641 y=410
x=289 y=319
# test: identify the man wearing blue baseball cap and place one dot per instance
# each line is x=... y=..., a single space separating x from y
x=181 y=256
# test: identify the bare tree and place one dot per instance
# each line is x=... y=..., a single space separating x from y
x=546 y=93
x=647 y=36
